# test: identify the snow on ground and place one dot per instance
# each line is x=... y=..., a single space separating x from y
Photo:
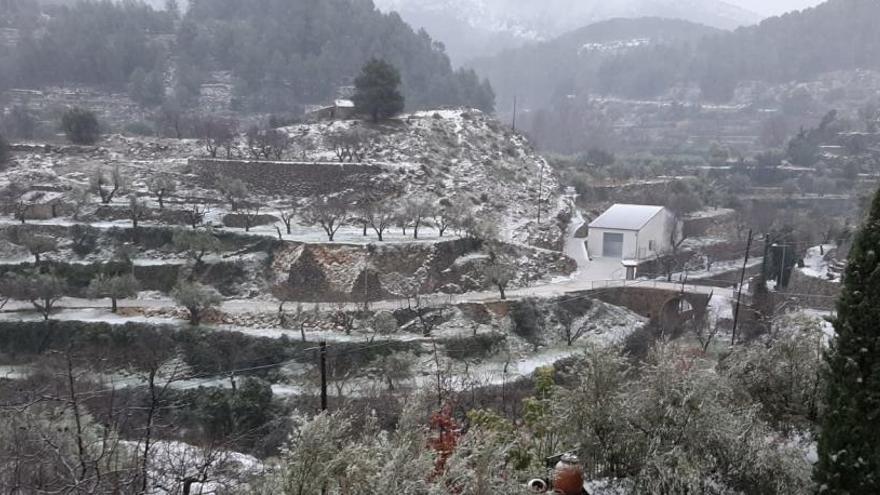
x=721 y=307
x=173 y=461
x=711 y=213
x=821 y=318
x=698 y=243
x=718 y=268
x=608 y=487
x=816 y=264
x=92 y=315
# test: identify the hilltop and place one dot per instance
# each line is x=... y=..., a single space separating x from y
x=494 y=25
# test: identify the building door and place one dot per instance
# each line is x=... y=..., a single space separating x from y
x=612 y=245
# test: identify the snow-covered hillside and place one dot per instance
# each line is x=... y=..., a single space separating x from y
x=460 y=154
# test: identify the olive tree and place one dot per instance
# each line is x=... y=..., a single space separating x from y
x=37 y=245
x=43 y=290
x=196 y=298
x=234 y=190
x=114 y=288
x=196 y=244
x=500 y=274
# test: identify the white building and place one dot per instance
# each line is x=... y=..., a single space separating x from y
x=632 y=233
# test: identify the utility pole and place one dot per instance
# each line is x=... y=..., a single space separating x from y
x=742 y=280
x=323 y=358
x=540 y=189
x=366 y=266
x=781 y=267
x=514 y=113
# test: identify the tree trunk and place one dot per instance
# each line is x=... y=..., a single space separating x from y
x=161 y=202
x=113 y=305
x=501 y=290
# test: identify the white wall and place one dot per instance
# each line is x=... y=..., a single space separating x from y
x=595 y=241
x=654 y=238
x=637 y=245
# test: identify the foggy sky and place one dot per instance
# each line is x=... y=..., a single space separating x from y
x=774 y=7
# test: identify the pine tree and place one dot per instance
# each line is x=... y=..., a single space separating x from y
x=376 y=90
x=849 y=443
x=81 y=126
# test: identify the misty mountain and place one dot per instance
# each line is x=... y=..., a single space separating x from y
x=836 y=35
x=473 y=28
x=647 y=58
x=539 y=73
x=281 y=54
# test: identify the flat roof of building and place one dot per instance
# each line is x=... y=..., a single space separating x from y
x=626 y=217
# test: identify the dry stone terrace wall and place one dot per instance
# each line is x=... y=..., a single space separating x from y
x=812 y=292
x=352 y=273
x=294 y=178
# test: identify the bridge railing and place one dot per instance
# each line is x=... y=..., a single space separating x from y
x=650 y=284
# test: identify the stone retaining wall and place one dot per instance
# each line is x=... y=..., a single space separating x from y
x=293 y=178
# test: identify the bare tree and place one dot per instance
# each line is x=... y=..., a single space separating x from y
x=266 y=144
x=161 y=187
x=328 y=213
x=80 y=196
x=280 y=143
x=195 y=213
x=137 y=211
x=16 y=200
x=160 y=373
x=287 y=216
x=217 y=134
x=572 y=326
x=499 y=272
x=416 y=210
x=396 y=367
x=448 y=216
x=258 y=143
x=380 y=217
x=304 y=145
x=351 y=144
x=108 y=187
x=251 y=213
x=285 y=294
